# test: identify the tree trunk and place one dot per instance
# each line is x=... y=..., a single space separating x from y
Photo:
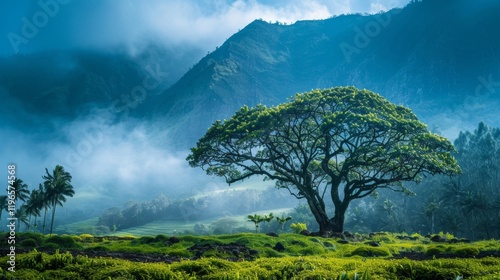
x=339 y=218
x=335 y=224
x=319 y=215
x=53 y=214
x=44 y=218
x=29 y=223
x=432 y=223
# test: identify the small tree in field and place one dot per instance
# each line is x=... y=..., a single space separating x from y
x=256 y=219
x=267 y=218
x=339 y=144
x=282 y=220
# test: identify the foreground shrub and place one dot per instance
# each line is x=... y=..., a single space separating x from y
x=466 y=251
x=29 y=243
x=435 y=250
x=298 y=227
x=65 y=241
x=365 y=251
x=64 y=266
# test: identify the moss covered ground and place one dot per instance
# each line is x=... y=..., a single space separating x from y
x=250 y=256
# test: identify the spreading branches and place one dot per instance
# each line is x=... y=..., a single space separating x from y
x=335 y=139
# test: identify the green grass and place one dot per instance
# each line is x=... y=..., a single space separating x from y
x=64 y=266
x=165 y=227
x=303 y=258
x=159 y=227
x=78 y=227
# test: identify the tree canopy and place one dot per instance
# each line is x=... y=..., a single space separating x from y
x=339 y=143
x=57 y=187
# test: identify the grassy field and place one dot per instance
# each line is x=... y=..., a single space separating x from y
x=250 y=256
x=164 y=227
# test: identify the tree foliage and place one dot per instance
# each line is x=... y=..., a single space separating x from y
x=466 y=205
x=57 y=187
x=340 y=144
x=48 y=195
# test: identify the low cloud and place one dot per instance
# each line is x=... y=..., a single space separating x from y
x=134 y=24
x=110 y=163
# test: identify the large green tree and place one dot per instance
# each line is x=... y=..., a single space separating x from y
x=57 y=187
x=340 y=144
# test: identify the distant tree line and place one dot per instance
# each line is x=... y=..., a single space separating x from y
x=193 y=209
x=467 y=205
x=37 y=202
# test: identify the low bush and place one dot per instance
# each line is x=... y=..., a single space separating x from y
x=29 y=243
x=65 y=241
x=329 y=245
x=434 y=250
x=161 y=238
x=466 y=251
x=298 y=227
x=30 y=235
x=365 y=251
x=98 y=248
x=49 y=246
x=144 y=240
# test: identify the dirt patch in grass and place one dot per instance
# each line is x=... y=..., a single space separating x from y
x=421 y=256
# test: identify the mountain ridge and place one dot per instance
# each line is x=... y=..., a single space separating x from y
x=439 y=57
x=411 y=59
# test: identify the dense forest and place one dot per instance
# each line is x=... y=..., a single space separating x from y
x=465 y=205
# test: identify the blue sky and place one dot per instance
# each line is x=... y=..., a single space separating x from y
x=62 y=24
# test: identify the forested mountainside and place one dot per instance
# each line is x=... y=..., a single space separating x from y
x=434 y=56
x=440 y=58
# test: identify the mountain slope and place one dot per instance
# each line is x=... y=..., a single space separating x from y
x=430 y=56
x=66 y=85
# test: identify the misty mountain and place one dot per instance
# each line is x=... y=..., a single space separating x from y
x=63 y=85
x=441 y=58
x=113 y=119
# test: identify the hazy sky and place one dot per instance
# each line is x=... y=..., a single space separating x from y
x=103 y=157
x=27 y=26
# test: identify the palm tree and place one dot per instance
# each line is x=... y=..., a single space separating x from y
x=44 y=203
x=22 y=191
x=256 y=219
x=3 y=204
x=58 y=186
x=34 y=206
x=282 y=221
x=430 y=212
x=21 y=216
